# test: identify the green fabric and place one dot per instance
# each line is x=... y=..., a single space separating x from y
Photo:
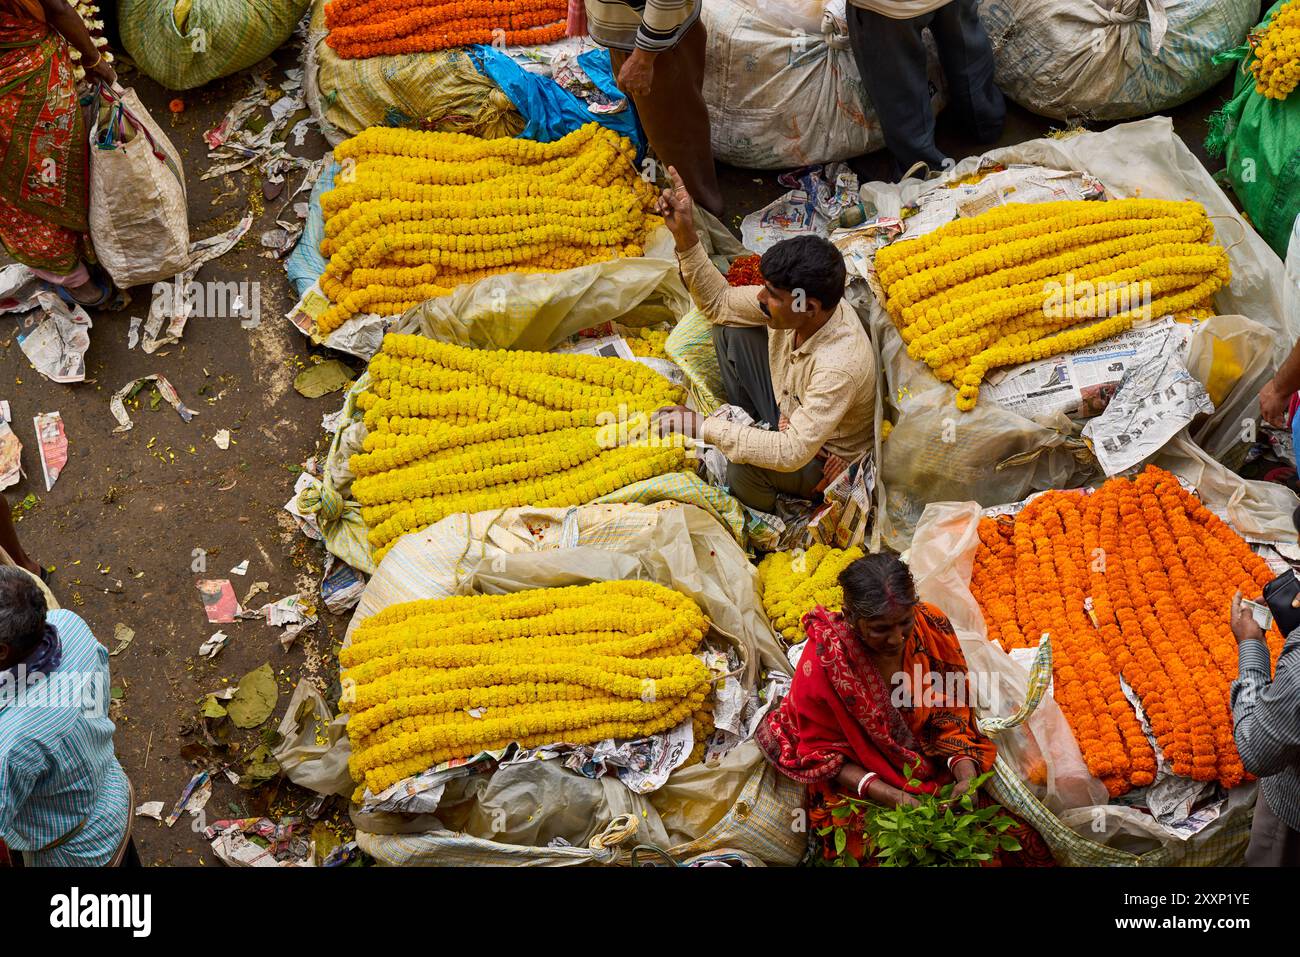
x=220 y=37
x=1261 y=140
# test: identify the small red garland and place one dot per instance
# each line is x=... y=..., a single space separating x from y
x=744 y=271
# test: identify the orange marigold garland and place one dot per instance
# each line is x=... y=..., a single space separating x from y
x=1132 y=581
x=366 y=28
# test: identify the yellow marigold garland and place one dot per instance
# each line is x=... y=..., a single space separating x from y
x=978 y=293
x=415 y=214
x=791 y=584
x=452 y=429
x=431 y=681
x=1276 y=50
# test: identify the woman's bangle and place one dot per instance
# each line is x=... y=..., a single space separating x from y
x=865 y=782
x=99 y=58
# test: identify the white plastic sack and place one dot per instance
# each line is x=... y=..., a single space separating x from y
x=782 y=87
x=1111 y=59
x=139 y=223
x=990 y=455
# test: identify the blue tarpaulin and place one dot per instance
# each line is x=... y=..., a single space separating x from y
x=550 y=110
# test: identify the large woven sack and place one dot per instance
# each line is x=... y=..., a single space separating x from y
x=139 y=222
x=1111 y=59
x=187 y=43
x=782 y=87
x=1260 y=140
x=429 y=91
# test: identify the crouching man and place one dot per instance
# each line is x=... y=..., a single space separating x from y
x=793 y=355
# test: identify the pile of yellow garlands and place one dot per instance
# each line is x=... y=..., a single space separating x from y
x=1027 y=281
x=415 y=214
x=452 y=429
x=1133 y=580
x=443 y=679
x=791 y=584
x=1276 y=53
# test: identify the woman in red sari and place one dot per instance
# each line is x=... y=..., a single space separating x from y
x=43 y=149
x=856 y=716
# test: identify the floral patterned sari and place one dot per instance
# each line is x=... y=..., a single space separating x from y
x=43 y=149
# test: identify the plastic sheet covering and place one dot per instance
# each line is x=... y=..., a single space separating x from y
x=989 y=455
x=551 y=110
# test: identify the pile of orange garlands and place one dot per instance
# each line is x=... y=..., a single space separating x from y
x=366 y=28
x=1135 y=579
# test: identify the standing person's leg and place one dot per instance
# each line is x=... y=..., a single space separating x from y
x=891 y=58
x=746 y=371
x=675 y=118
x=967 y=58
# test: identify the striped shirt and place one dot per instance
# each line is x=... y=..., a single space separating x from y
x=1266 y=723
x=654 y=25
x=57 y=767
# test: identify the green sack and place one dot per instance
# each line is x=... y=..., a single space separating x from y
x=186 y=43
x=1261 y=139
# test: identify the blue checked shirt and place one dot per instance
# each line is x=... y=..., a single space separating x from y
x=57 y=767
x=1266 y=723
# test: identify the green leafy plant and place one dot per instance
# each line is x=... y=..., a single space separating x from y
x=939 y=831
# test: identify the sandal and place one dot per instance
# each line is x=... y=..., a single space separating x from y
x=103 y=285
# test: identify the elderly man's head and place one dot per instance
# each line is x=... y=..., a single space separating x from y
x=22 y=615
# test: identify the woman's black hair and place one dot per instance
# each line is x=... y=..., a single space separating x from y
x=810 y=263
x=876 y=585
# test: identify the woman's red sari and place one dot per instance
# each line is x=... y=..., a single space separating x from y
x=839 y=710
x=43 y=149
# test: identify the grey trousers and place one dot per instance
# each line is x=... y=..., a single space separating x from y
x=747 y=381
x=891 y=58
x=1272 y=842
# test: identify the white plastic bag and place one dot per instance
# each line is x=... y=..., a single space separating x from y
x=782 y=87
x=139 y=223
x=1111 y=59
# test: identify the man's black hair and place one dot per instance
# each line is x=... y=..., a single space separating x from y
x=22 y=612
x=810 y=263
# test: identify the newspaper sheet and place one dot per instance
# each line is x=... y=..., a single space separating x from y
x=1081 y=383
x=1156 y=400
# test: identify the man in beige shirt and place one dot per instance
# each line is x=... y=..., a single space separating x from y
x=793 y=355
x=886 y=39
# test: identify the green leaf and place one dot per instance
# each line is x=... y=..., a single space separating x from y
x=841 y=840
x=841 y=812
x=255 y=698
x=1008 y=842
x=318 y=380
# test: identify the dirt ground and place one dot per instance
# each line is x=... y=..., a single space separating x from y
x=124 y=520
